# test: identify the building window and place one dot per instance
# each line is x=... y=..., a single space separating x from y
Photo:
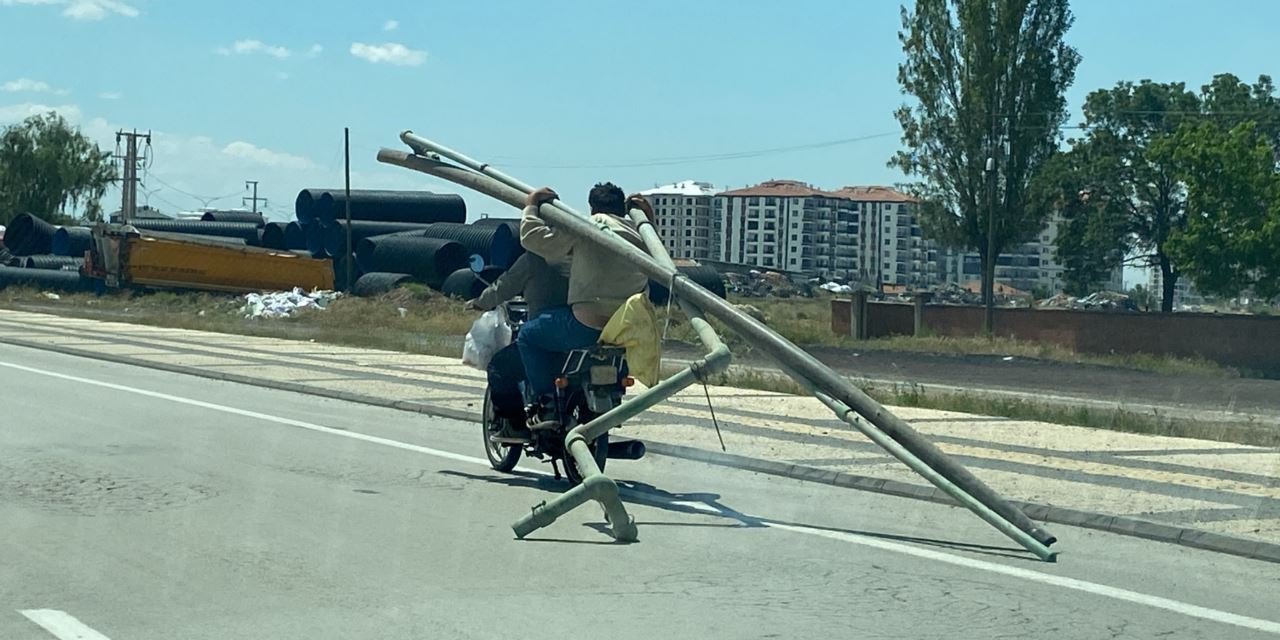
x=753 y=225
x=688 y=200
x=770 y=202
x=794 y=237
x=688 y=233
x=887 y=243
x=888 y=218
x=754 y=202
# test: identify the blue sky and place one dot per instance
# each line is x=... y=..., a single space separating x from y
x=239 y=90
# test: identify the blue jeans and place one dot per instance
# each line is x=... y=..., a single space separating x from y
x=544 y=343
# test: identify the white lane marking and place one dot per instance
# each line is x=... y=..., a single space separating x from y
x=1084 y=586
x=62 y=625
x=257 y=416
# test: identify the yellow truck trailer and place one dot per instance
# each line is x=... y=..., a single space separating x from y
x=123 y=256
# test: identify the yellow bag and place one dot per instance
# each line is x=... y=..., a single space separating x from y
x=634 y=326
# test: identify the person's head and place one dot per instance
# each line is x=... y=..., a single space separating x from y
x=607 y=197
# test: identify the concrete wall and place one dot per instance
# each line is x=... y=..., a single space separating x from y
x=1249 y=342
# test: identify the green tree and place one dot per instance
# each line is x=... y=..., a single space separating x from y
x=1231 y=240
x=987 y=78
x=1089 y=234
x=47 y=166
x=1121 y=200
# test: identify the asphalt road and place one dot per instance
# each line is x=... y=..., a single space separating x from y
x=139 y=504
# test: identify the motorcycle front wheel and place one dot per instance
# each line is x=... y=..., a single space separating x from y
x=502 y=457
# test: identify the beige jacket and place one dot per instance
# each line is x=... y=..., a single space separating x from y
x=542 y=285
x=600 y=281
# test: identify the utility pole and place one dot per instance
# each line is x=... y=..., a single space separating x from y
x=346 y=204
x=129 y=186
x=989 y=315
x=255 y=199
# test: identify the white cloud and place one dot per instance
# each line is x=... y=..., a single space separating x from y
x=98 y=9
x=266 y=157
x=27 y=85
x=245 y=47
x=83 y=9
x=391 y=25
x=110 y=95
x=390 y=53
x=282 y=75
x=12 y=113
x=315 y=50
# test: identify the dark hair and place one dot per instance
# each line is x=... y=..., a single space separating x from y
x=607 y=197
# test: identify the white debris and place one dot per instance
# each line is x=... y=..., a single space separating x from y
x=52 y=296
x=282 y=304
x=835 y=287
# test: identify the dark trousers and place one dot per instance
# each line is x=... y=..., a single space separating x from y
x=506 y=372
x=545 y=342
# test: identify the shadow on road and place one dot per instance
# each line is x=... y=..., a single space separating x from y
x=709 y=504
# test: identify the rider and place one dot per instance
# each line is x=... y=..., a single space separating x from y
x=542 y=286
x=600 y=281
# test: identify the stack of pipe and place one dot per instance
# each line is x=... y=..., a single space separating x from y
x=428 y=260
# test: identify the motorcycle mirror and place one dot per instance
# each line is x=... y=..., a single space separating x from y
x=477 y=263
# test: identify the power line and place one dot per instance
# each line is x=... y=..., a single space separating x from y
x=203 y=199
x=675 y=160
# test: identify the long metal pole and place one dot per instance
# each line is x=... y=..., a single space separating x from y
x=785 y=353
x=346 y=152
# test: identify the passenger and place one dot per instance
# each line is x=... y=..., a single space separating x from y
x=543 y=287
x=600 y=281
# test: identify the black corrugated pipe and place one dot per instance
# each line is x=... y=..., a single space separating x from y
x=273 y=235
x=706 y=277
x=256 y=240
x=495 y=243
x=391 y=206
x=295 y=237
x=429 y=260
x=44 y=279
x=514 y=223
x=378 y=283
x=315 y=240
x=234 y=216
x=464 y=284
x=28 y=235
x=71 y=241
x=246 y=231
x=335 y=233
x=52 y=262
x=340 y=281
x=304 y=206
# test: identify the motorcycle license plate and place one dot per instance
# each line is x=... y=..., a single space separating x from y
x=602 y=375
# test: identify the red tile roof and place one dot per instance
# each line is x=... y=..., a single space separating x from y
x=781 y=189
x=874 y=194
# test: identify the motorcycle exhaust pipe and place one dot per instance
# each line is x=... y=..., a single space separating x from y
x=626 y=450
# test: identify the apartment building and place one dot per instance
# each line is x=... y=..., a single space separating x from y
x=683 y=215
x=791 y=226
x=1029 y=267
x=892 y=244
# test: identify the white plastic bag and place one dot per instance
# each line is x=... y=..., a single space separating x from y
x=487 y=336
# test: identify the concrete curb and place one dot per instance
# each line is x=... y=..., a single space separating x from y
x=1123 y=525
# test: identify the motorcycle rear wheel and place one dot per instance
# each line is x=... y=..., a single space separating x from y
x=502 y=457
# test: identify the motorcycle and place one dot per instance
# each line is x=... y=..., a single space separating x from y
x=592 y=381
